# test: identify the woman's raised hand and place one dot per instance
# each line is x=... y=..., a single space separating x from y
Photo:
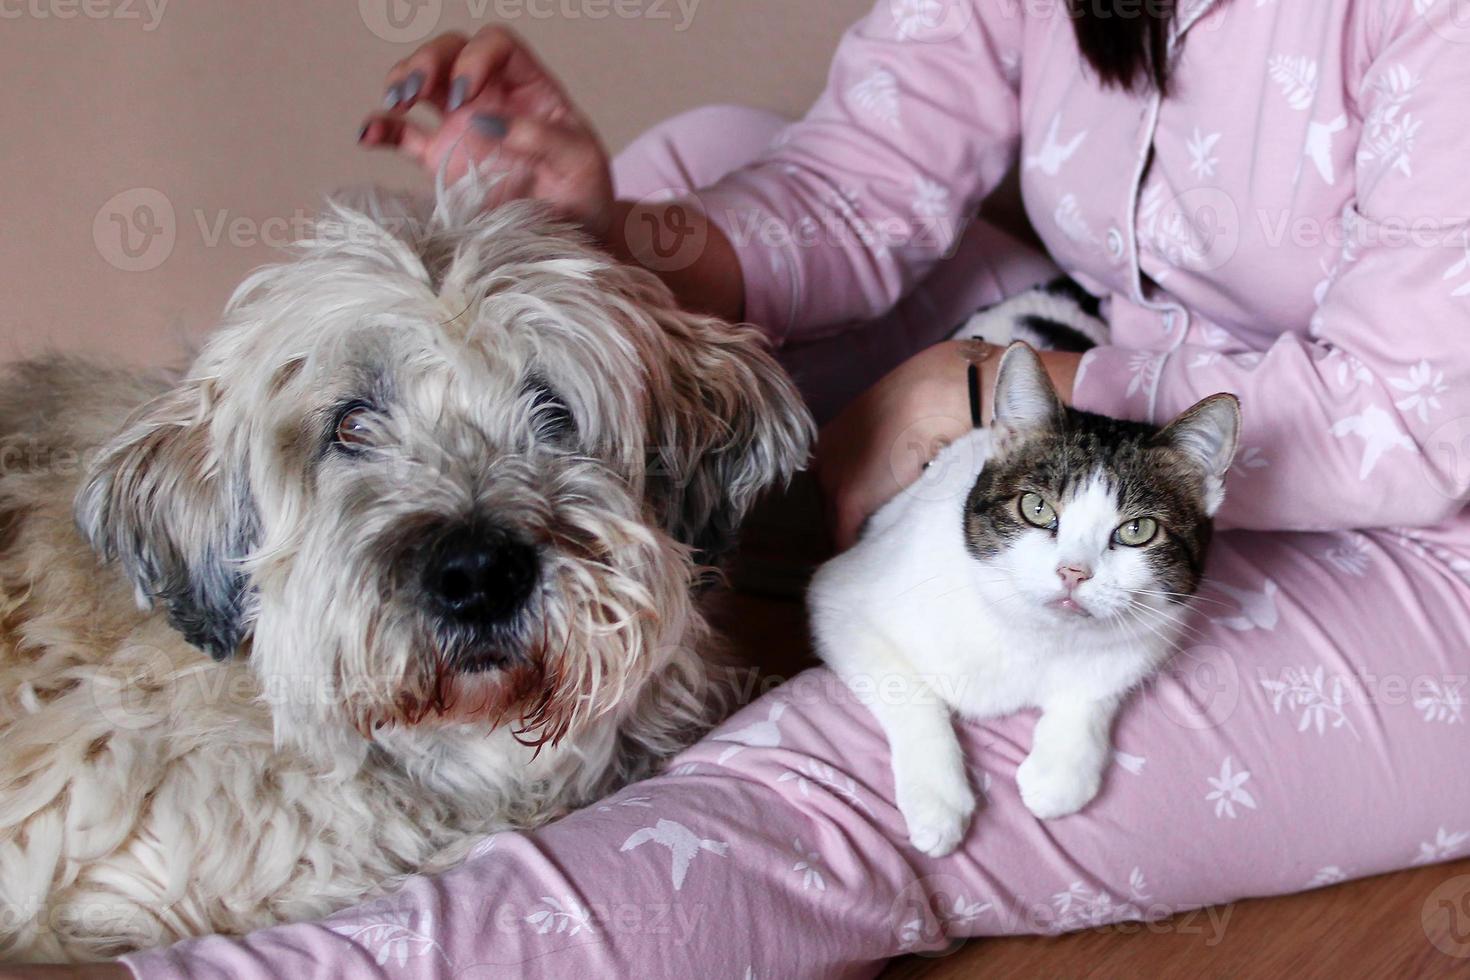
x=502 y=111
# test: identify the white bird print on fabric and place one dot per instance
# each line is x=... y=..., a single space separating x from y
x=1054 y=154
x=682 y=842
x=1132 y=763
x=1379 y=433
x=1257 y=607
x=1319 y=146
x=761 y=734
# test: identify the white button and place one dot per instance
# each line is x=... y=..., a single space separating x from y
x=1115 y=243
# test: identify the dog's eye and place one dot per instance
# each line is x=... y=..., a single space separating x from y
x=354 y=429
x=550 y=415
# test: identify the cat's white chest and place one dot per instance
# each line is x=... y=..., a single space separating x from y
x=983 y=667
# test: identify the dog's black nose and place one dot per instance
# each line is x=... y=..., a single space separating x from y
x=480 y=576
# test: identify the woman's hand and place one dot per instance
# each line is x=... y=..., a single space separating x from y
x=502 y=111
x=881 y=442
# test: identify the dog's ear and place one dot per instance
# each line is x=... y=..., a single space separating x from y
x=727 y=423
x=159 y=499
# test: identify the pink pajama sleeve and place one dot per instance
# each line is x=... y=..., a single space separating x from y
x=851 y=209
x=1299 y=740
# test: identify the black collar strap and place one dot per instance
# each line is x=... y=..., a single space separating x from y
x=975 y=394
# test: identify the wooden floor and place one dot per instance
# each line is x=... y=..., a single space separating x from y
x=1376 y=927
x=1410 y=924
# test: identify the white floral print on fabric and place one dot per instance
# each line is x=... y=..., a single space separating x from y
x=1391 y=131
x=876 y=95
x=1445 y=845
x=393 y=936
x=1442 y=703
x=814 y=773
x=1318 y=703
x=1227 y=791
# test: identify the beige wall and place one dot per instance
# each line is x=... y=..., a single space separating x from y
x=236 y=115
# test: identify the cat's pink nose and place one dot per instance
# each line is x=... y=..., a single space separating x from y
x=1073 y=575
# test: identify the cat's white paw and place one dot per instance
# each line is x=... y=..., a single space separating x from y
x=937 y=810
x=1051 y=789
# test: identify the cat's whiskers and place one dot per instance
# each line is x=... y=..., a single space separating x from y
x=1170 y=643
x=1186 y=596
x=1169 y=613
x=1156 y=621
x=1167 y=616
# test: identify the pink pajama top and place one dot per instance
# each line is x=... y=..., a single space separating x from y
x=1289 y=224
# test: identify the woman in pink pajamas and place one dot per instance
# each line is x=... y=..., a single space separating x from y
x=1276 y=206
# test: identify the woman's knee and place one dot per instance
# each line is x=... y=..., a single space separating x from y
x=693 y=149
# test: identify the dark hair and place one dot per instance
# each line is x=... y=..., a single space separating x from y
x=1126 y=41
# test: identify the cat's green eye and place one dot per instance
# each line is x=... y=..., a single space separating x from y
x=1137 y=532
x=1036 y=511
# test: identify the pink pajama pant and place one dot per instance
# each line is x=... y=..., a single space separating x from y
x=1313 y=729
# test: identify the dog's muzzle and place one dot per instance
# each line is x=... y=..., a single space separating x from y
x=477 y=579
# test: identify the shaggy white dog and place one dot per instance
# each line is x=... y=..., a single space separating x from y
x=434 y=502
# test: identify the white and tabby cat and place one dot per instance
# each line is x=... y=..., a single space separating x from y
x=1055 y=576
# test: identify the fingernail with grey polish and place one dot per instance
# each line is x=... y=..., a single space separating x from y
x=457 y=90
x=362 y=133
x=412 y=85
x=393 y=96
x=492 y=126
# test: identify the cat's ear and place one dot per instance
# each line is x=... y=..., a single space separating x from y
x=1208 y=435
x=1024 y=396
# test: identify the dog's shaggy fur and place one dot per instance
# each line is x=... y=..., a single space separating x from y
x=407 y=387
